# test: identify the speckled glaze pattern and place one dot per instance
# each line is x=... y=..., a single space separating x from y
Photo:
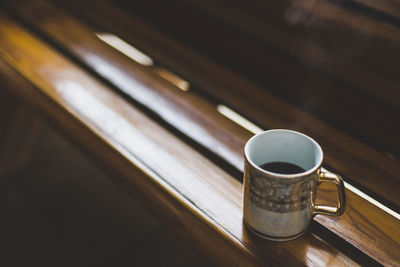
x=281 y=195
x=278 y=208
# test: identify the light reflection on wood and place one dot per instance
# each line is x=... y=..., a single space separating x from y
x=116 y=127
x=172 y=78
x=143 y=59
x=125 y=48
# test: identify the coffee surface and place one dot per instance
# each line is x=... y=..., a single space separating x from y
x=282 y=167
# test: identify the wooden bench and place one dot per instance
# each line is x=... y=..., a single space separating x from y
x=166 y=126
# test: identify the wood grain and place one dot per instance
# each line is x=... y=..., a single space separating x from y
x=359 y=162
x=310 y=36
x=336 y=34
x=278 y=71
x=390 y=7
x=198 y=198
x=172 y=105
x=18 y=131
x=356 y=236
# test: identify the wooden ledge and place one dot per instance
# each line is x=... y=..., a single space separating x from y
x=199 y=199
x=361 y=163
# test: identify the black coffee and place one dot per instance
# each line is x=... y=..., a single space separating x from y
x=282 y=167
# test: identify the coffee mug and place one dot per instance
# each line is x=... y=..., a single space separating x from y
x=281 y=173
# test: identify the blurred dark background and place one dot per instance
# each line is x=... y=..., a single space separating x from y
x=61 y=210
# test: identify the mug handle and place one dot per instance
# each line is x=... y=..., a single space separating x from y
x=325 y=176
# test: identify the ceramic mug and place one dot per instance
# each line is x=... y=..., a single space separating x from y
x=281 y=206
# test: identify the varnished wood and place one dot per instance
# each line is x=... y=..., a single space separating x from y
x=19 y=126
x=150 y=162
x=390 y=7
x=175 y=106
x=357 y=161
x=277 y=70
x=331 y=47
x=351 y=237
x=335 y=34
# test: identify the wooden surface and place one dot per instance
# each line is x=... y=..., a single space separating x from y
x=278 y=62
x=115 y=128
x=311 y=37
x=363 y=164
x=110 y=127
x=385 y=8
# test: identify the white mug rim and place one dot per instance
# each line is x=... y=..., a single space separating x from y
x=296 y=175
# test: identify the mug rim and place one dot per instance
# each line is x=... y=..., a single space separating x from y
x=296 y=175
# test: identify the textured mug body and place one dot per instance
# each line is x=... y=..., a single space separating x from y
x=280 y=206
x=276 y=207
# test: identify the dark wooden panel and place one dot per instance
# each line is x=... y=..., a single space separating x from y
x=320 y=33
x=363 y=165
x=199 y=199
x=342 y=51
x=390 y=7
x=284 y=72
x=81 y=42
